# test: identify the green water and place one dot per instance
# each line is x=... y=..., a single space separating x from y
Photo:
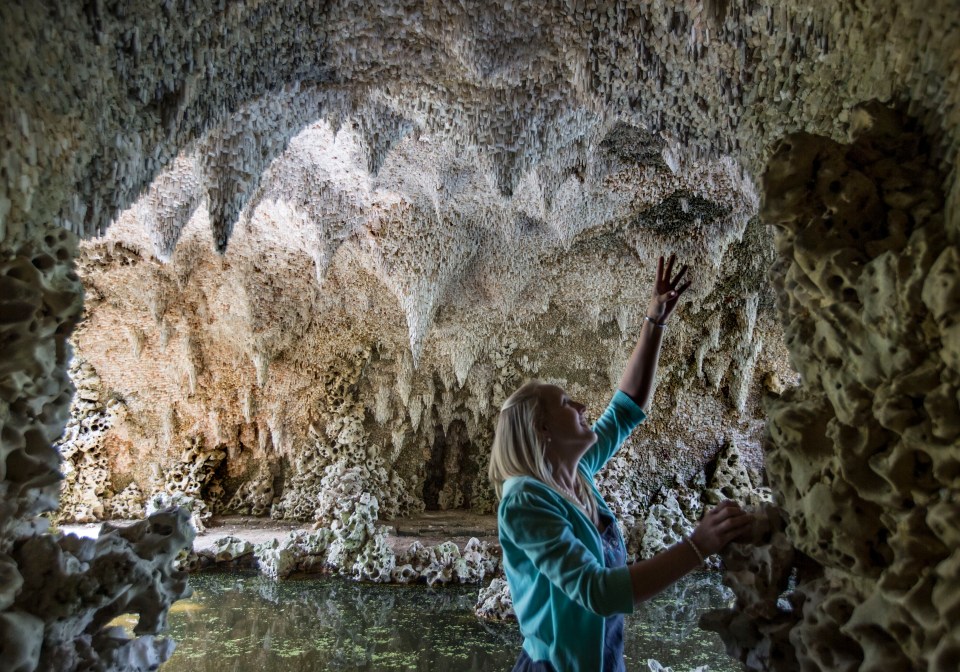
x=237 y=622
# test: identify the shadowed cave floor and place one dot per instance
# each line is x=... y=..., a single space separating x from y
x=429 y=528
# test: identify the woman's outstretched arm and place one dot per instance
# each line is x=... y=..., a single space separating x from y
x=641 y=370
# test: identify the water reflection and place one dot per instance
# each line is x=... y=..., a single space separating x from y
x=245 y=622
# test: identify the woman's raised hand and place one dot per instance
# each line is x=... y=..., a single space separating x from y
x=721 y=525
x=666 y=290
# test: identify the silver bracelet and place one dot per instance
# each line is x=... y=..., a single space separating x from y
x=662 y=325
x=696 y=550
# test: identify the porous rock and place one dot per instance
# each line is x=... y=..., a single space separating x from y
x=866 y=483
x=73 y=587
x=301 y=551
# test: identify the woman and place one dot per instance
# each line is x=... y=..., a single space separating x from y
x=562 y=551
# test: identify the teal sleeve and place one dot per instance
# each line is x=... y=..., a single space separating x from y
x=612 y=428
x=541 y=529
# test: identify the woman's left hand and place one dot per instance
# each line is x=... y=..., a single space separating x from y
x=666 y=290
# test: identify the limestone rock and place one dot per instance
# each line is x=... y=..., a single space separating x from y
x=191 y=482
x=301 y=551
x=867 y=483
x=314 y=207
x=495 y=603
x=255 y=497
x=86 y=494
x=161 y=501
x=128 y=504
x=229 y=549
x=40 y=304
x=665 y=525
x=732 y=481
x=757 y=629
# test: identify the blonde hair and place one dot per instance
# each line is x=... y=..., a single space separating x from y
x=518 y=449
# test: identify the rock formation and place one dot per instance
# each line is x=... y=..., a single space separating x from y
x=65 y=591
x=327 y=239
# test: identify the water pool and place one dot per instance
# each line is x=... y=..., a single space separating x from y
x=239 y=622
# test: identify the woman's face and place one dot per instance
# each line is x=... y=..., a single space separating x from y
x=563 y=425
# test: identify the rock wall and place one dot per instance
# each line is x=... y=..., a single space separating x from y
x=41 y=301
x=101 y=100
x=69 y=590
x=248 y=368
x=87 y=490
x=864 y=453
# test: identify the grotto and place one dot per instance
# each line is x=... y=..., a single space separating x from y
x=281 y=262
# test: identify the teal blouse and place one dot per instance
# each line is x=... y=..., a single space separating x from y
x=553 y=557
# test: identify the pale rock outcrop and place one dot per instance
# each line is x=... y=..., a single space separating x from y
x=128 y=504
x=255 y=497
x=191 y=482
x=376 y=560
x=365 y=556
x=230 y=549
x=342 y=457
x=447 y=564
x=301 y=498
x=86 y=492
x=724 y=80
x=481 y=560
x=665 y=525
x=301 y=551
x=349 y=510
x=676 y=508
x=346 y=539
x=731 y=480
